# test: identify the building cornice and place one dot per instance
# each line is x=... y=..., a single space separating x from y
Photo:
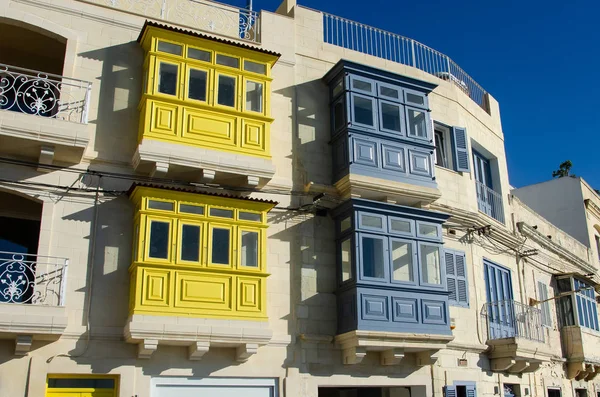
x=592 y=208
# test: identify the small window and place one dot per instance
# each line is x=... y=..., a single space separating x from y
x=220 y=246
x=169 y=48
x=371 y=221
x=249 y=249
x=441 y=157
x=225 y=60
x=191 y=209
x=373 y=257
x=221 y=213
x=160 y=205
x=389 y=92
x=190 y=243
x=167 y=78
x=81 y=383
x=431 y=269
x=417 y=123
x=226 y=89
x=416 y=99
x=254 y=96
x=347 y=259
x=390 y=117
x=197 y=85
x=402 y=261
x=402 y=226
x=337 y=88
x=428 y=230
x=345 y=224
x=363 y=110
x=199 y=55
x=362 y=85
x=255 y=67
x=159 y=240
x=339 y=116
x=249 y=216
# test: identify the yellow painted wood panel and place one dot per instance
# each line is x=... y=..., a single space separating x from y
x=164 y=119
x=155 y=287
x=205 y=291
x=209 y=128
x=250 y=294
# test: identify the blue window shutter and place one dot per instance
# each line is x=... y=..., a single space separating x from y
x=471 y=391
x=461 y=149
x=462 y=283
x=451 y=276
x=450 y=391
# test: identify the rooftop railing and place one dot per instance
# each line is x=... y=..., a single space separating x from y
x=490 y=202
x=393 y=47
x=44 y=94
x=32 y=279
x=204 y=15
x=512 y=319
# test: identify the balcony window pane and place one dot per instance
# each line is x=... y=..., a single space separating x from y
x=228 y=61
x=427 y=230
x=191 y=209
x=371 y=221
x=414 y=98
x=220 y=246
x=167 y=78
x=363 y=110
x=338 y=88
x=417 y=125
x=250 y=249
x=160 y=205
x=190 y=243
x=249 y=216
x=390 y=116
x=254 y=96
x=159 y=240
x=169 y=48
x=338 y=115
x=430 y=264
x=255 y=67
x=389 y=92
x=221 y=213
x=226 y=91
x=200 y=55
x=345 y=224
x=346 y=260
x=197 y=85
x=401 y=226
x=362 y=85
x=402 y=261
x=136 y=239
x=372 y=257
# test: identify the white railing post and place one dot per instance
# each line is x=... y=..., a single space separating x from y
x=414 y=57
x=63 y=284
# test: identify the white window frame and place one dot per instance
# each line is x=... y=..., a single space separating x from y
x=447 y=145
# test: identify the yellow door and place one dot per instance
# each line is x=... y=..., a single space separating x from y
x=81 y=386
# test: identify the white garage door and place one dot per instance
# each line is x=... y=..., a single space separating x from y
x=213 y=387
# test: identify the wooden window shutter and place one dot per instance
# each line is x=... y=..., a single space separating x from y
x=461 y=149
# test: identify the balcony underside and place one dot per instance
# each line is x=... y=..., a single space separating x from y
x=582 y=370
x=45 y=139
x=165 y=159
x=517 y=355
x=393 y=347
x=355 y=185
x=198 y=334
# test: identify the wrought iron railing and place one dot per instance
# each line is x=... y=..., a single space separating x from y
x=490 y=202
x=512 y=319
x=44 y=94
x=204 y=15
x=32 y=279
x=393 y=47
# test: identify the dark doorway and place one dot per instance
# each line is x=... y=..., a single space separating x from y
x=555 y=393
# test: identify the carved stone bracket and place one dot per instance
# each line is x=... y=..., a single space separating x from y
x=354 y=355
x=502 y=364
x=574 y=368
x=23 y=344
x=245 y=351
x=391 y=357
x=147 y=347
x=197 y=350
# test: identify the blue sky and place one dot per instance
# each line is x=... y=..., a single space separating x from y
x=539 y=59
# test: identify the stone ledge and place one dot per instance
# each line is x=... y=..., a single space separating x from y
x=199 y=335
x=517 y=355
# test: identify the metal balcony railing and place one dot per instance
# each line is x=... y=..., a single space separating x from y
x=393 y=47
x=44 y=94
x=490 y=202
x=511 y=319
x=32 y=279
x=209 y=16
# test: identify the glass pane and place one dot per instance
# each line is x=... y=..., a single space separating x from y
x=159 y=240
x=255 y=67
x=200 y=55
x=338 y=115
x=371 y=221
x=197 y=85
x=430 y=264
x=221 y=213
x=170 y=48
x=250 y=249
x=372 y=257
x=402 y=261
x=338 y=88
x=400 y=226
x=416 y=123
x=254 y=96
x=220 y=246
x=390 y=116
x=226 y=91
x=228 y=61
x=414 y=98
x=160 y=205
x=167 y=78
x=190 y=243
x=428 y=230
x=345 y=224
x=249 y=216
x=363 y=110
x=79 y=383
x=362 y=85
x=346 y=260
x=389 y=92
x=191 y=209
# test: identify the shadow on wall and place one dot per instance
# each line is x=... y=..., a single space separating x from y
x=119 y=88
